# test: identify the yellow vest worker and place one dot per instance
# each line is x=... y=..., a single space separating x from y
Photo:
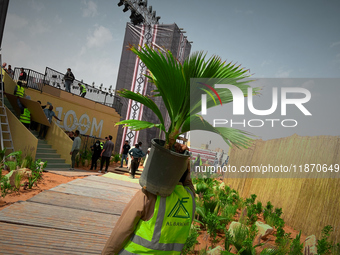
x=20 y=91
x=25 y=118
x=82 y=90
x=166 y=232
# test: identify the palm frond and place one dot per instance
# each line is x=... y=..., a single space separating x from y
x=137 y=125
x=233 y=136
x=143 y=100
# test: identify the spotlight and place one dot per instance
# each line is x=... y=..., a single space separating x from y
x=126 y=8
x=145 y=3
x=154 y=14
x=121 y=2
x=133 y=14
x=158 y=18
x=150 y=9
x=137 y=19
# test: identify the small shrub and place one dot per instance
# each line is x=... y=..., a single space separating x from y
x=12 y=165
x=27 y=162
x=228 y=240
x=214 y=224
x=5 y=187
x=296 y=247
x=17 y=181
x=191 y=240
x=324 y=246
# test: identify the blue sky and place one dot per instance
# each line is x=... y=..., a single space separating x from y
x=299 y=39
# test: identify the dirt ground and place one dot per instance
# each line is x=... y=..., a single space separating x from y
x=48 y=181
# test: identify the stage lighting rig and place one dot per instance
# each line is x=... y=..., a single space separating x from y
x=126 y=8
x=140 y=12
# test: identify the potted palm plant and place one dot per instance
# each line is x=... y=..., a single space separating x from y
x=172 y=81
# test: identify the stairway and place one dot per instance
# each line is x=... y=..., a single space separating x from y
x=44 y=150
x=46 y=153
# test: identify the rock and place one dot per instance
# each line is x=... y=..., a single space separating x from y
x=233 y=226
x=264 y=229
x=311 y=242
x=216 y=251
x=11 y=175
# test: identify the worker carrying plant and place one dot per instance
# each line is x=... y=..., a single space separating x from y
x=152 y=224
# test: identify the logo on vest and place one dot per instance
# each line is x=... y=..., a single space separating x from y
x=179 y=210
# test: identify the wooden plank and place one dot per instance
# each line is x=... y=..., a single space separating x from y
x=113 y=181
x=37 y=113
x=79 y=202
x=111 y=195
x=71 y=173
x=35 y=214
x=102 y=185
x=18 y=239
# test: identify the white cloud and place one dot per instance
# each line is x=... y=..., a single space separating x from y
x=283 y=73
x=14 y=22
x=90 y=9
x=38 y=27
x=97 y=39
x=335 y=44
x=101 y=35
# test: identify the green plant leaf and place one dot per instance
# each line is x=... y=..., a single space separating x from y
x=233 y=136
x=143 y=100
x=139 y=124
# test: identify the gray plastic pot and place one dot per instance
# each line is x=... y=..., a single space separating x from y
x=163 y=169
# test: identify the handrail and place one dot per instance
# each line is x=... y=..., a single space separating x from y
x=53 y=78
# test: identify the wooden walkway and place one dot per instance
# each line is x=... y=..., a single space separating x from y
x=72 y=218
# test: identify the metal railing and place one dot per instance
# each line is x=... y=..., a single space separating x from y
x=36 y=80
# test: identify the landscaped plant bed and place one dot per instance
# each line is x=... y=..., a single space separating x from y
x=48 y=181
x=224 y=219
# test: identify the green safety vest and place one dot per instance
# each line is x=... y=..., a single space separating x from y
x=168 y=229
x=200 y=161
x=101 y=145
x=83 y=89
x=26 y=116
x=20 y=91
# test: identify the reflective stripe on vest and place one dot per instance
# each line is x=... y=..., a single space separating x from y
x=167 y=230
x=26 y=116
x=20 y=91
x=83 y=89
x=101 y=145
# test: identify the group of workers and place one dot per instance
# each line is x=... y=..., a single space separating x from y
x=25 y=114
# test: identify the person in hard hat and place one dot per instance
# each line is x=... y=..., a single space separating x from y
x=152 y=224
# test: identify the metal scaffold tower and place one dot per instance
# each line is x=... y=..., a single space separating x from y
x=143 y=15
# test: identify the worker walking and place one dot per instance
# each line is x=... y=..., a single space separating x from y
x=152 y=224
x=19 y=91
x=82 y=89
x=25 y=117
